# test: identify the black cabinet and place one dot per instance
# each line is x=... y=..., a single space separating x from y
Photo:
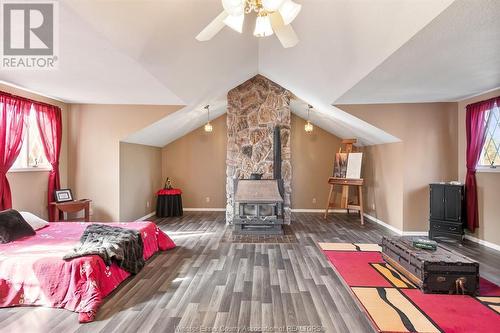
x=447 y=211
x=437 y=202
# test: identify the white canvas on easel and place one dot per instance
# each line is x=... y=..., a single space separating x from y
x=354 y=165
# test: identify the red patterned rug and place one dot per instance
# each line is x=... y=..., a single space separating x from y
x=394 y=304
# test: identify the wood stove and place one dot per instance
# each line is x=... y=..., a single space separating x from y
x=258 y=207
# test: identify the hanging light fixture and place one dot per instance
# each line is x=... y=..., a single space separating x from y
x=308 y=127
x=208 y=127
x=273 y=17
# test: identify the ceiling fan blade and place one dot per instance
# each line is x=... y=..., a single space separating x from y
x=212 y=28
x=285 y=33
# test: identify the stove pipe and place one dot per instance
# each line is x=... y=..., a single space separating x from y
x=277 y=153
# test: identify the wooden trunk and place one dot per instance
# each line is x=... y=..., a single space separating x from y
x=434 y=272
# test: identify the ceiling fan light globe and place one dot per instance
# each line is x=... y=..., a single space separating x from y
x=289 y=11
x=234 y=7
x=263 y=27
x=235 y=22
x=272 y=5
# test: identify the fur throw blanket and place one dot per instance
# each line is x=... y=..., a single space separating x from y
x=13 y=226
x=120 y=245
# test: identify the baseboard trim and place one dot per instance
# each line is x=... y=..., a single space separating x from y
x=146 y=217
x=204 y=209
x=307 y=210
x=426 y=233
x=383 y=224
x=483 y=242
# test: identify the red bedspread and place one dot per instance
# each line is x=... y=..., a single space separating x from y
x=32 y=271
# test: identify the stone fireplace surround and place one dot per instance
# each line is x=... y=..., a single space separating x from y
x=254 y=108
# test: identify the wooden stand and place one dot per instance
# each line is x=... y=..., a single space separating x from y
x=346 y=183
x=72 y=207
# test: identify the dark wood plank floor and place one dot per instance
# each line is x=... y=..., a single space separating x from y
x=206 y=283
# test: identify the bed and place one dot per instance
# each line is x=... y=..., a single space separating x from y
x=32 y=271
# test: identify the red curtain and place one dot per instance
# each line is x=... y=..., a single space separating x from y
x=13 y=115
x=476 y=130
x=50 y=126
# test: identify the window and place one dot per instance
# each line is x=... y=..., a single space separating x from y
x=490 y=155
x=32 y=154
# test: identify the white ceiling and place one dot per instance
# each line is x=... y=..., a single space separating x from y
x=177 y=124
x=141 y=52
x=341 y=42
x=92 y=70
x=144 y=52
x=455 y=56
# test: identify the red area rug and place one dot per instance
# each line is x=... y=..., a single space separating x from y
x=394 y=304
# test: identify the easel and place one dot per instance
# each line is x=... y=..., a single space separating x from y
x=346 y=183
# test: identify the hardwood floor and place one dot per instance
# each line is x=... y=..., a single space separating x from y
x=205 y=283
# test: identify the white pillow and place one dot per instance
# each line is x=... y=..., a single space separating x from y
x=34 y=221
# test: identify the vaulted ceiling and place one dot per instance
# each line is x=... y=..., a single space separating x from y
x=144 y=52
x=455 y=56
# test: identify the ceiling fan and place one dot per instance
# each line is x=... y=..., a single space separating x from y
x=273 y=16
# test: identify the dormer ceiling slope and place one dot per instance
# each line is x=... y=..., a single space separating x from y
x=457 y=55
x=144 y=52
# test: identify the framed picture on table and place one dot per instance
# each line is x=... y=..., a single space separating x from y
x=63 y=195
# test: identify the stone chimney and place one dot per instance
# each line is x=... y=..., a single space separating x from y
x=255 y=108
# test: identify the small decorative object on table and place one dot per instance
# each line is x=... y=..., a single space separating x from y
x=436 y=272
x=168 y=184
x=169 y=202
x=425 y=244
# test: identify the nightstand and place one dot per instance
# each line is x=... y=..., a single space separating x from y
x=72 y=207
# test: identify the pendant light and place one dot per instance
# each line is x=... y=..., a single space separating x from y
x=308 y=127
x=208 y=127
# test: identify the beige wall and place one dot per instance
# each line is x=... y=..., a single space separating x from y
x=29 y=189
x=312 y=163
x=488 y=183
x=95 y=134
x=383 y=169
x=196 y=163
x=429 y=153
x=140 y=178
